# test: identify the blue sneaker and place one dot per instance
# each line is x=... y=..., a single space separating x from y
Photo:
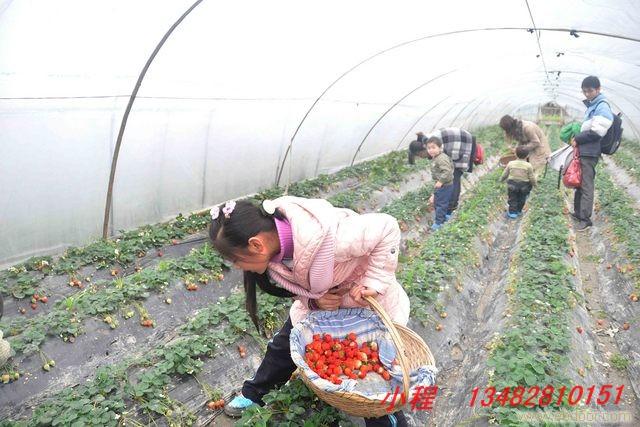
x=237 y=406
x=436 y=227
x=447 y=217
x=512 y=215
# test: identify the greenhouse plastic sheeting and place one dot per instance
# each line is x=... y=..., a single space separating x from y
x=219 y=105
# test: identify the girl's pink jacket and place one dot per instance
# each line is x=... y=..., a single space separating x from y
x=366 y=253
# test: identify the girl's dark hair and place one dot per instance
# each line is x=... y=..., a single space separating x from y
x=414 y=148
x=229 y=235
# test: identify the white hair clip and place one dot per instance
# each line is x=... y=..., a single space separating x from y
x=269 y=206
x=215 y=212
x=228 y=208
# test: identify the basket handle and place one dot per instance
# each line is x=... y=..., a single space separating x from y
x=397 y=341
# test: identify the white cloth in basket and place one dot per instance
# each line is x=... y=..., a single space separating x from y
x=368 y=327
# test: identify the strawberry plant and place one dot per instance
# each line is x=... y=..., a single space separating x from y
x=443 y=256
x=390 y=169
x=66 y=317
x=533 y=349
x=293 y=405
x=411 y=206
x=114 y=387
x=492 y=140
x=627 y=157
x=624 y=223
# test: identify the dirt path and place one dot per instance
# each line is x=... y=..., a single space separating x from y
x=602 y=328
x=474 y=317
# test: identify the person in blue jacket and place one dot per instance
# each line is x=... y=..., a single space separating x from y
x=597 y=120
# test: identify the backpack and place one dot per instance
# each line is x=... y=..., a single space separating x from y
x=478 y=158
x=610 y=142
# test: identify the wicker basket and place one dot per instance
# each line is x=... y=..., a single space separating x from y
x=412 y=352
x=506 y=159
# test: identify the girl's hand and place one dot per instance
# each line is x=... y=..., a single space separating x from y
x=431 y=199
x=438 y=184
x=329 y=302
x=359 y=291
x=573 y=142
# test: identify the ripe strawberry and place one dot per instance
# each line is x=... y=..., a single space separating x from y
x=174 y=242
x=242 y=350
x=579 y=329
x=386 y=375
x=626 y=326
x=34 y=306
x=362 y=375
x=44 y=299
x=159 y=253
x=352 y=336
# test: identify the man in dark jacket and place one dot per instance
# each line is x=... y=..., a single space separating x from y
x=597 y=120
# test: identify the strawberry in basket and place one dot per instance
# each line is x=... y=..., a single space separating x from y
x=332 y=358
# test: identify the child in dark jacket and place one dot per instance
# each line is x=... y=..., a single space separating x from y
x=520 y=179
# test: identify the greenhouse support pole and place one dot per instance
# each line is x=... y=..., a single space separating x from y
x=123 y=124
x=418 y=121
x=571 y=31
x=393 y=106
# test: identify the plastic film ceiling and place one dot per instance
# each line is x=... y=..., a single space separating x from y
x=220 y=103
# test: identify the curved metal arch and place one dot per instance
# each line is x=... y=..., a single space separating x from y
x=280 y=168
x=579 y=100
x=420 y=118
x=470 y=102
x=393 y=106
x=396 y=103
x=123 y=124
x=586 y=74
x=612 y=91
x=431 y=108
